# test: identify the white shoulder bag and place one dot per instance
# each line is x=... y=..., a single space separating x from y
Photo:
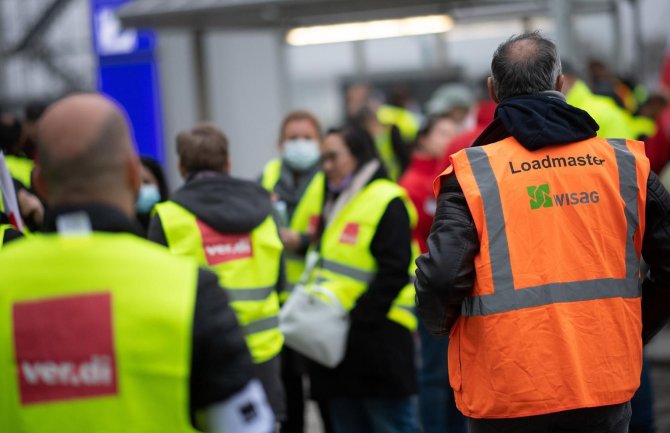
x=314 y=322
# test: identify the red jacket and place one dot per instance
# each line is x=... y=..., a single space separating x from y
x=418 y=182
x=657 y=147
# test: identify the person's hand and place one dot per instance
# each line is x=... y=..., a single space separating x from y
x=31 y=207
x=290 y=238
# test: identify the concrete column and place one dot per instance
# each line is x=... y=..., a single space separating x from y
x=244 y=83
x=561 y=11
x=178 y=93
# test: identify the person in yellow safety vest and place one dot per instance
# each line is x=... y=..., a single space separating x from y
x=112 y=332
x=365 y=252
x=227 y=225
x=393 y=151
x=546 y=318
x=296 y=183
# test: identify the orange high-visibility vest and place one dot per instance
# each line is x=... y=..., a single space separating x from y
x=553 y=321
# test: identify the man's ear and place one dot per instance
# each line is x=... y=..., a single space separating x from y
x=492 y=92
x=559 y=82
x=182 y=170
x=134 y=170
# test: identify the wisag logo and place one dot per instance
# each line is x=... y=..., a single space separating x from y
x=539 y=196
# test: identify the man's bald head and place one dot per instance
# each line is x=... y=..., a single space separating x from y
x=525 y=65
x=85 y=153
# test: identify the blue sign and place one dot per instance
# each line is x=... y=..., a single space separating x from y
x=127 y=71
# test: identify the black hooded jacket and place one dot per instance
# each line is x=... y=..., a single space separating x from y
x=446 y=274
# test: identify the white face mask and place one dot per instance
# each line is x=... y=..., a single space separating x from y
x=300 y=154
x=149 y=195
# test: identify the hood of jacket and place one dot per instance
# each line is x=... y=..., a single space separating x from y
x=224 y=203
x=539 y=120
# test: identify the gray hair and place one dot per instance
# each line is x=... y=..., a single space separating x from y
x=525 y=65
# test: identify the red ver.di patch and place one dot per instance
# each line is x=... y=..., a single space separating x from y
x=223 y=247
x=64 y=348
x=349 y=234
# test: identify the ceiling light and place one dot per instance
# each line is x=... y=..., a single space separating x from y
x=362 y=31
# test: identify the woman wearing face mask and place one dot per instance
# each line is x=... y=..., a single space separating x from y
x=152 y=191
x=364 y=249
x=297 y=184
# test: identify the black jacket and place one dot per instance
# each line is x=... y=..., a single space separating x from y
x=218 y=343
x=446 y=274
x=379 y=361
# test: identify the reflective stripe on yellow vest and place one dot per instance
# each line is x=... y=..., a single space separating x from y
x=247 y=265
x=553 y=322
x=20 y=168
x=98 y=339
x=304 y=219
x=347 y=266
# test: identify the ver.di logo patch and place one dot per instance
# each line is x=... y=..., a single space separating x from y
x=64 y=348
x=224 y=247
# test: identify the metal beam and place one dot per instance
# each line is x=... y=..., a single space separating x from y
x=292 y=13
x=44 y=55
x=40 y=26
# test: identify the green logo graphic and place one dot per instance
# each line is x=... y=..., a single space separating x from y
x=539 y=196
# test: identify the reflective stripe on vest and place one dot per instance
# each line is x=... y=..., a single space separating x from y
x=304 y=217
x=347 y=266
x=249 y=278
x=505 y=297
x=99 y=339
x=553 y=322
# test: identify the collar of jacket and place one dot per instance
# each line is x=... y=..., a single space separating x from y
x=104 y=218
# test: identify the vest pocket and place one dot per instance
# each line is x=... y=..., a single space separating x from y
x=454 y=357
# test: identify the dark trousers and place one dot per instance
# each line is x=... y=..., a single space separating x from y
x=643 y=420
x=292 y=373
x=437 y=408
x=604 y=419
